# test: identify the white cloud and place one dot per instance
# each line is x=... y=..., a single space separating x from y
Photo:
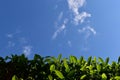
x=88 y=31
x=74 y=6
x=60 y=16
x=27 y=50
x=81 y=17
x=69 y=43
x=60 y=29
x=9 y=35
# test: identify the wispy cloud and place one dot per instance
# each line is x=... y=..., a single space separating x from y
x=76 y=16
x=74 y=6
x=60 y=29
x=69 y=43
x=23 y=40
x=27 y=50
x=10 y=44
x=60 y=16
x=9 y=35
x=16 y=40
x=88 y=30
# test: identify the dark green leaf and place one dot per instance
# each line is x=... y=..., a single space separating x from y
x=107 y=60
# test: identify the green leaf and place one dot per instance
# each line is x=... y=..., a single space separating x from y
x=117 y=77
x=59 y=74
x=119 y=59
x=47 y=60
x=73 y=59
x=82 y=77
x=66 y=65
x=94 y=59
x=71 y=73
x=99 y=67
x=81 y=59
x=83 y=67
x=14 y=77
x=90 y=67
x=100 y=60
x=107 y=60
x=104 y=77
x=89 y=60
x=50 y=77
x=52 y=67
x=54 y=59
x=59 y=57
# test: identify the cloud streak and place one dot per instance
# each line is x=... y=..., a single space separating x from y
x=60 y=16
x=69 y=43
x=60 y=29
x=88 y=30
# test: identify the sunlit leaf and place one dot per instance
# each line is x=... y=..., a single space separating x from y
x=50 y=77
x=52 y=67
x=99 y=67
x=66 y=65
x=104 y=77
x=14 y=77
x=117 y=77
x=59 y=74
x=83 y=77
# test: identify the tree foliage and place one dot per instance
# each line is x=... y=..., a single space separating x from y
x=16 y=67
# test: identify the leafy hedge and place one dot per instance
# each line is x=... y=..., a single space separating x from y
x=50 y=68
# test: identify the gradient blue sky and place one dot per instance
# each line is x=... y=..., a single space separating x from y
x=50 y=27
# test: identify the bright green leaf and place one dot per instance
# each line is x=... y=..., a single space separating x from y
x=59 y=74
x=82 y=77
x=99 y=67
x=66 y=65
x=104 y=77
x=52 y=67
x=117 y=77
x=14 y=77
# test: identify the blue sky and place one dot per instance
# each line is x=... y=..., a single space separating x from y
x=71 y=27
